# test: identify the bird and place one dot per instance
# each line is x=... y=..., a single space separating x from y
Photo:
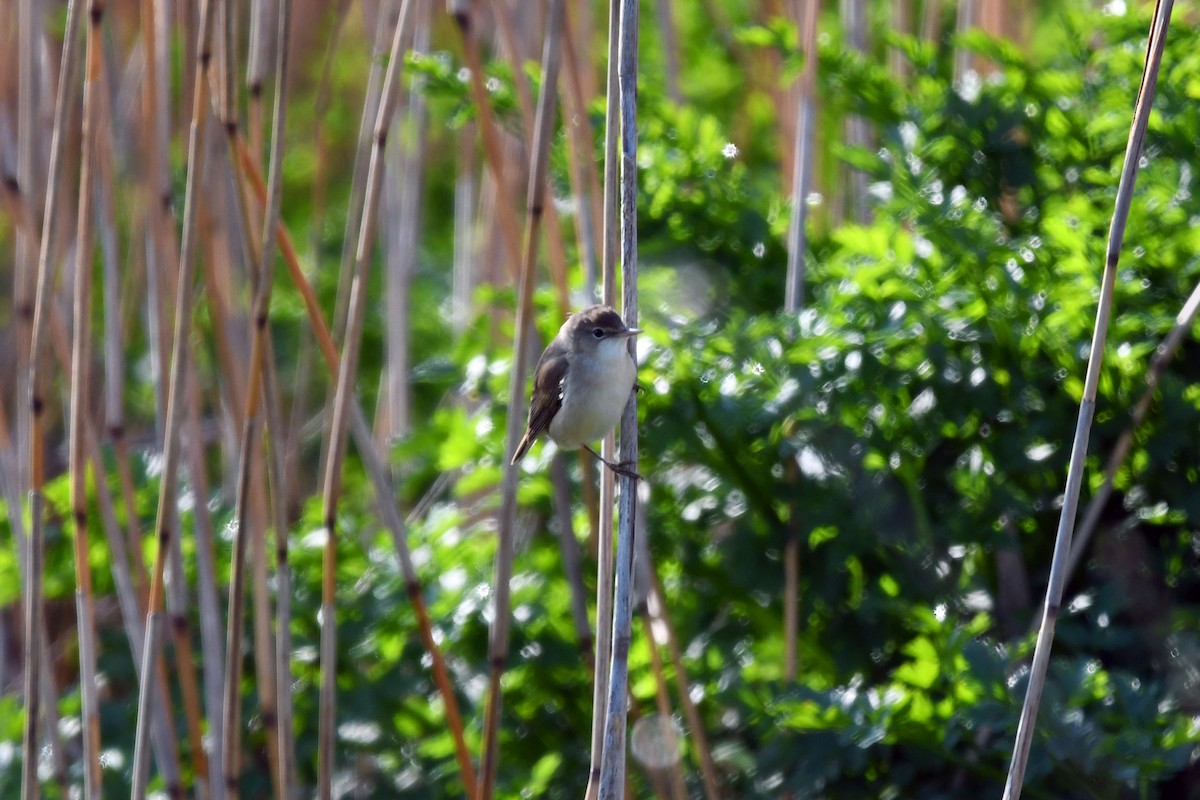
x=581 y=384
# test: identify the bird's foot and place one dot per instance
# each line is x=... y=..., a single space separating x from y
x=619 y=467
x=624 y=468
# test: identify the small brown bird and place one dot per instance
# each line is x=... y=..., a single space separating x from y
x=582 y=383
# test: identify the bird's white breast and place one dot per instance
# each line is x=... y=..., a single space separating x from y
x=595 y=392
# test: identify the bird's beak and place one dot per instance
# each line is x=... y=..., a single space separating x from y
x=629 y=332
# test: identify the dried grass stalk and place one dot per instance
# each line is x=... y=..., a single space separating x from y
x=612 y=766
x=1087 y=407
x=331 y=484
x=539 y=158
x=165 y=521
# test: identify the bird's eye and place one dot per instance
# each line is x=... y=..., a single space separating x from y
x=598 y=333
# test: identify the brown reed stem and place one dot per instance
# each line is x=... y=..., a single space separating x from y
x=80 y=400
x=32 y=323
x=612 y=763
x=385 y=495
x=1062 y=544
x=657 y=607
x=535 y=194
x=493 y=154
x=662 y=703
x=248 y=457
x=608 y=448
x=165 y=520
x=331 y=484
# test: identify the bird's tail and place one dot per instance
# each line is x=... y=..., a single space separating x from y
x=522 y=448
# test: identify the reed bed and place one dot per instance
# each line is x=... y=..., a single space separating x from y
x=198 y=292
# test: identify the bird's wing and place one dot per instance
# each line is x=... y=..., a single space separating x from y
x=547 y=399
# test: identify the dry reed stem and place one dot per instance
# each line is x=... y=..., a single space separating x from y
x=554 y=237
x=1087 y=407
x=206 y=577
x=384 y=25
x=165 y=520
x=466 y=234
x=543 y=131
x=160 y=234
x=582 y=163
x=29 y=39
x=254 y=492
x=319 y=201
x=612 y=763
x=506 y=216
x=662 y=703
x=858 y=132
x=806 y=111
x=256 y=71
x=805 y=131
x=401 y=243
x=250 y=453
x=657 y=606
x=670 y=46
x=285 y=734
x=604 y=515
x=31 y=425
x=284 y=708
x=35 y=645
x=165 y=744
x=331 y=483
x=80 y=399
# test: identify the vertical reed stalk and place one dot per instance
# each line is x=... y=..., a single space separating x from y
x=35 y=647
x=29 y=36
x=604 y=516
x=286 y=729
x=535 y=195
x=554 y=237
x=285 y=733
x=967 y=18
x=31 y=426
x=670 y=46
x=802 y=169
x=657 y=606
x=582 y=162
x=466 y=234
x=250 y=445
x=612 y=766
x=165 y=520
x=162 y=266
x=402 y=242
x=901 y=24
x=858 y=132
x=506 y=216
x=373 y=463
x=383 y=26
x=254 y=489
x=338 y=424
x=806 y=112
x=80 y=400
x=256 y=72
x=662 y=704
x=206 y=578
x=1062 y=544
